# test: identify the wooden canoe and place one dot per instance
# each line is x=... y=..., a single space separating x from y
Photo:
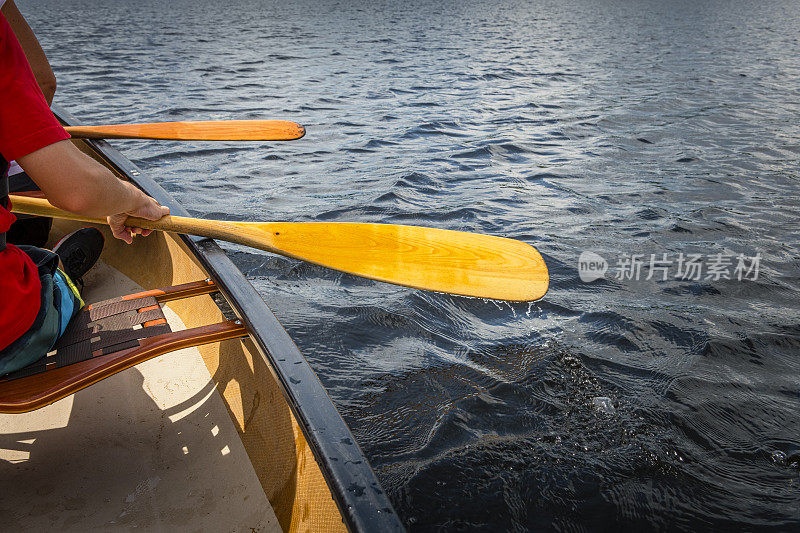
x=232 y=435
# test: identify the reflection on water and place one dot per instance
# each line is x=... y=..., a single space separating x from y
x=616 y=127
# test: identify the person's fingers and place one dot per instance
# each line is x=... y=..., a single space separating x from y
x=117 y=225
x=153 y=211
x=123 y=234
x=140 y=231
x=127 y=235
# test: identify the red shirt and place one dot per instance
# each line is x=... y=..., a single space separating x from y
x=26 y=125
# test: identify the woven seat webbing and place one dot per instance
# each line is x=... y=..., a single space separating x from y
x=116 y=306
x=112 y=315
x=100 y=329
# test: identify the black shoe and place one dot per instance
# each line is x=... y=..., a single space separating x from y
x=79 y=251
x=33 y=231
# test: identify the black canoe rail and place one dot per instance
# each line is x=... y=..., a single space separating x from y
x=355 y=488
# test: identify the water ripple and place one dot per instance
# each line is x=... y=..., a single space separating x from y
x=628 y=127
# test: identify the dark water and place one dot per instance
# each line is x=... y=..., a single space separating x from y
x=650 y=127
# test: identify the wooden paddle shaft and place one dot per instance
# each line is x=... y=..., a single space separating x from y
x=217 y=229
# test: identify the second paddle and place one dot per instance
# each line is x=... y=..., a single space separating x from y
x=205 y=130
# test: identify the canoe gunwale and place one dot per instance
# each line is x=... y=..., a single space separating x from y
x=361 y=500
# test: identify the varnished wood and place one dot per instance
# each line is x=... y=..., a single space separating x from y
x=202 y=130
x=447 y=261
x=36 y=391
x=185 y=290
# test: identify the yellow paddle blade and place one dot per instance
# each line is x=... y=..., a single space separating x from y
x=454 y=262
x=208 y=130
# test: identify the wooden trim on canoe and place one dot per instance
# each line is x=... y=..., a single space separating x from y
x=185 y=290
x=36 y=391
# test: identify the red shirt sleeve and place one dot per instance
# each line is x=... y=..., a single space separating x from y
x=26 y=122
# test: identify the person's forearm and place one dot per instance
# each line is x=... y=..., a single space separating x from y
x=100 y=194
x=73 y=181
x=33 y=50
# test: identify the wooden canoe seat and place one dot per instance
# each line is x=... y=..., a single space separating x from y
x=105 y=338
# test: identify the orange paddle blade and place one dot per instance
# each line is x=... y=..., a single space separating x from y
x=454 y=262
x=206 y=130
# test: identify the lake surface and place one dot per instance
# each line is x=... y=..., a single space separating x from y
x=649 y=128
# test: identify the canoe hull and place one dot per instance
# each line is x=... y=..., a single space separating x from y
x=303 y=455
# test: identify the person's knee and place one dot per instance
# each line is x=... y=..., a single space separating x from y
x=32 y=231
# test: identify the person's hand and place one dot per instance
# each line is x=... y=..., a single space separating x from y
x=149 y=209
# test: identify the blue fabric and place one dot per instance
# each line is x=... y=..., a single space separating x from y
x=67 y=300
